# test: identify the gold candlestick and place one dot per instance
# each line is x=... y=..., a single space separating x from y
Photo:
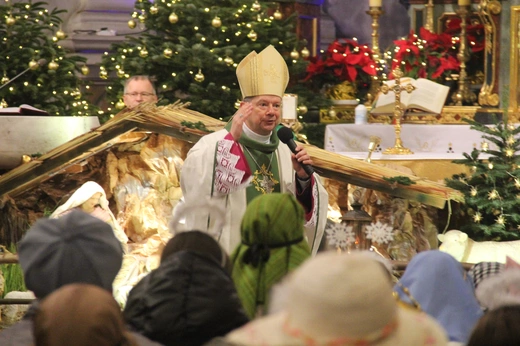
x=397 y=88
x=375 y=12
x=429 y=16
x=463 y=94
x=374 y=142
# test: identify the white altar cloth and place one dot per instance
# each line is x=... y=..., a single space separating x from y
x=428 y=142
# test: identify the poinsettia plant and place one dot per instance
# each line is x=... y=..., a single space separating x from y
x=427 y=55
x=344 y=60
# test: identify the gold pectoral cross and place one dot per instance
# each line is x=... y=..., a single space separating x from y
x=264 y=180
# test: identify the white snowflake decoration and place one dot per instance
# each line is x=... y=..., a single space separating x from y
x=380 y=233
x=340 y=235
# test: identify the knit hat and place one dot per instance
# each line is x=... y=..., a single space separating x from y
x=273 y=244
x=76 y=248
x=341 y=299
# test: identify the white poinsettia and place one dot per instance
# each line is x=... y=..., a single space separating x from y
x=380 y=233
x=340 y=235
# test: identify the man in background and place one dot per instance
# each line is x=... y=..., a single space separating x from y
x=139 y=89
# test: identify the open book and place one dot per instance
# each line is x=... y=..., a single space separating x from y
x=22 y=110
x=428 y=97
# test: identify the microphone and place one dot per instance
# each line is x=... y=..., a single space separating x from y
x=286 y=136
x=41 y=62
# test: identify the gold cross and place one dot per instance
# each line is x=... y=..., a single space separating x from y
x=397 y=88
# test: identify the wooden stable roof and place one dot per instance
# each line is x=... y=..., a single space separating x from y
x=132 y=125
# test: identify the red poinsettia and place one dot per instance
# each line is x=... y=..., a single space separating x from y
x=427 y=55
x=474 y=33
x=344 y=60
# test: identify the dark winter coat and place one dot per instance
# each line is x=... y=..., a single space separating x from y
x=187 y=301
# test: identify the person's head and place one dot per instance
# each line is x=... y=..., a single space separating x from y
x=90 y=204
x=439 y=284
x=80 y=315
x=199 y=242
x=263 y=78
x=267 y=110
x=76 y=248
x=86 y=197
x=139 y=89
x=341 y=299
x=498 y=327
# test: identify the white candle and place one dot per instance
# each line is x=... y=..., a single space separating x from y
x=289 y=104
x=360 y=113
x=464 y=2
x=375 y=3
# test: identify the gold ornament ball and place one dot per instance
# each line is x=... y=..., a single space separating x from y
x=60 y=34
x=154 y=9
x=252 y=35
x=120 y=104
x=199 y=77
x=103 y=74
x=305 y=53
x=173 y=18
x=142 y=18
x=229 y=61
x=302 y=109
x=53 y=65
x=237 y=104
x=120 y=73
x=167 y=53
x=33 y=65
x=256 y=6
x=143 y=53
x=3 y=104
x=10 y=21
x=132 y=24
x=4 y=80
x=85 y=70
x=294 y=54
x=278 y=15
x=216 y=22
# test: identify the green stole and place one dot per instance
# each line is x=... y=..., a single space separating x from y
x=263 y=162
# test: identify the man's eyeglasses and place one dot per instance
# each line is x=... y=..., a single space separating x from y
x=144 y=94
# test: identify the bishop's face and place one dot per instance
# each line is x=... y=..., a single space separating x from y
x=266 y=114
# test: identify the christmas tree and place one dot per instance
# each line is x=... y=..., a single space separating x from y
x=192 y=48
x=492 y=190
x=30 y=41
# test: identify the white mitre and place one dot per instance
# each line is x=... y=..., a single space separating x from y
x=265 y=73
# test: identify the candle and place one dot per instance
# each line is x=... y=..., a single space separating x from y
x=464 y=2
x=360 y=113
x=375 y=3
x=289 y=104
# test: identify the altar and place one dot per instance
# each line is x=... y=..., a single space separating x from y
x=434 y=146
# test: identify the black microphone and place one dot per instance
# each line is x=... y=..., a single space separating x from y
x=41 y=62
x=286 y=136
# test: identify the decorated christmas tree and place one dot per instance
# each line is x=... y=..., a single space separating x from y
x=30 y=45
x=192 y=48
x=492 y=189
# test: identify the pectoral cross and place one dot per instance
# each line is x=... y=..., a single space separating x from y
x=267 y=184
x=397 y=88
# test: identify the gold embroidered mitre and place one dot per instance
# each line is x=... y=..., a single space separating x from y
x=265 y=73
